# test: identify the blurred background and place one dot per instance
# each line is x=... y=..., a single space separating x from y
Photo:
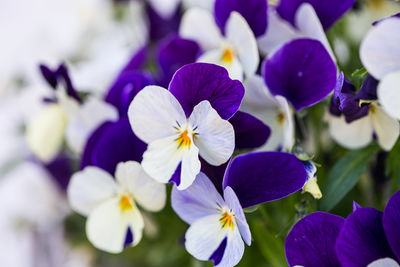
x=96 y=39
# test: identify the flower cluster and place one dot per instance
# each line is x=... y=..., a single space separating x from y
x=219 y=106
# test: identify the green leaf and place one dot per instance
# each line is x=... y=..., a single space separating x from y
x=392 y=166
x=344 y=175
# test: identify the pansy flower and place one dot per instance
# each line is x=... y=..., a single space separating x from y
x=367 y=237
x=65 y=115
x=218 y=226
x=186 y=121
x=114 y=219
x=236 y=50
x=356 y=118
x=380 y=54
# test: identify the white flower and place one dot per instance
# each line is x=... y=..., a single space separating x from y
x=114 y=220
x=237 y=51
x=173 y=140
x=274 y=111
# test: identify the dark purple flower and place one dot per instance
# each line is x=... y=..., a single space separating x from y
x=254 y=11
x=160 y=26
x=302 y=71
x=328 y=11
x=312 y=240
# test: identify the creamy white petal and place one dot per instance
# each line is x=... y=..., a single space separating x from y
x=287 y=124
x=190 y=167
x=216 y=137
x=161 y=158
x=198 y=24
x=204 y=236
x=88 y=188
x=385 y=262
x=308 y=23
x=352 y=135
x=234 y=249
x=165 y=8
x=379 y=51
x=279 y=32
x=241 y=37
x=389 y=94
x=81 y=124
x=148 y=193
x=107 y=226
x=214 y=56
x=154 y=112
x=257 y=96
x=386 y=128
x=45 y=133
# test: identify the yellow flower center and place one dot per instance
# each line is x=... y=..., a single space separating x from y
x=227 y=56
x=227 y=220
x=184 y=139
x=125 y=203
x=281 y=118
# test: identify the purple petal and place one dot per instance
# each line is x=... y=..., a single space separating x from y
x=137 y=61
x=196 y=82
x=161 y=27
x=125 y=88
x=362 y=239
x=260 y=177
x=391 y=220
x=250 y=132
x=368 y=89
x=356 y=206
x=173 y=53
x=198 y=200
x=311 y=242
x=254 y=11
x=328 y=11
x=111 y=143
x=61 y=169
x=302 y=71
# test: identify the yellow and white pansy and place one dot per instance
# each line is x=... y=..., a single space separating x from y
x=111 y=205
x=175 y=141
x=236 y=51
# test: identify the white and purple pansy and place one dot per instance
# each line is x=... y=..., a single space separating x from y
x=218 y=226
x=367 y=237
x=356 y=118
x=188 y=120
x=114 y=219
x=380 y=55
x=237 y=50
x=65 y=115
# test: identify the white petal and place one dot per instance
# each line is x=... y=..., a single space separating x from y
x=197 y=201
x=234 y=249
x=379 y=51
x=352 y=135
x=154 y=112
x=45 y=133
x=91 y=115
x=198 y=24
x=165 y=8
x=279 y=32
x=240 y=35
x=287 y=124
x=386 y=128
x=216 y=137
x=148 y=193
x=257 y=95
x=88 y=188
x=308 y=23
x=107 y=226
x=389 y=94
x=190 y=167
x=204 y=236
x=214 y=56
x=384 y=262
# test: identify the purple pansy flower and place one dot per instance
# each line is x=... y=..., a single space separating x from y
x=218 y=226
x=186 y=121
x=363 y=118
x=302 y=71
x=367 y=237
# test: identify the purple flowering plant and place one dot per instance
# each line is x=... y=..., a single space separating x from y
x=201 y=133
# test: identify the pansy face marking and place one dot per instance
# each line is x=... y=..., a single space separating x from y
x=175 y=141
x=227 y=219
